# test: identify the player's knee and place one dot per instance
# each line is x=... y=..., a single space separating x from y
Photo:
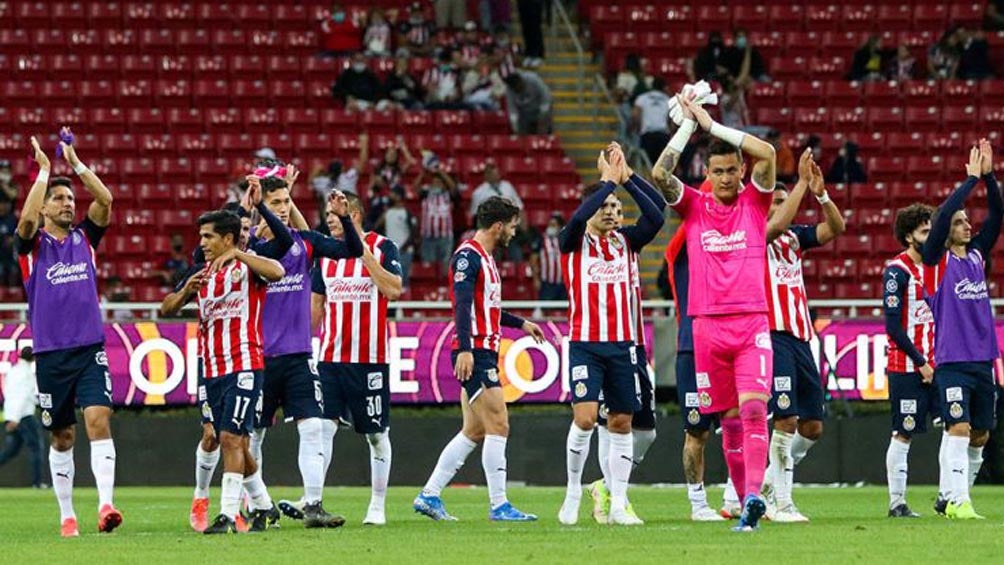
x=902 y=437
x=695 y=439
x=63 y=438
x=788 y=424
x=979 y=438
x=310 y=428
x=959 y=429
x=97 y=420
x=585 y=421
x=231 y=442
x=619 y=423
x=811 y=429
x=210 y=443
x=753 y=409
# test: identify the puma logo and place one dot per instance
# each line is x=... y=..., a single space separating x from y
x=205 y=468
x=626 y=458
x=959 y=471
x=64 y=475
x=762 y=382
x=109 y=458
x=576 y=451
x=380 y=459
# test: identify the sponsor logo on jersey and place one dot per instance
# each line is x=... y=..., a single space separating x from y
x=908 y=406
x=782 y=384
x=45 y=400
x=703 y=380
x=101 y=358
x=62 y=273
x=202 y=393
x=968 y=290
x=236 y=275
x=789 y=275
x=922 y=314
x=350 y=289
x=713 y=241
x=580 y=373
x=230 y=306
x=289 y=283
x=374 y=381
x=245 y=381
x=690 y=400
x=763 y=340
x=953 y=394
x=602 y=272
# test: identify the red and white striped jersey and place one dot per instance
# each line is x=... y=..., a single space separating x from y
x=550 y=260
x=916 y=317
x=598 y=279
x=355 y=312
x=787 y=299
x=471 y=260
x=637 y=314
x=437 y=214
x=230 y=309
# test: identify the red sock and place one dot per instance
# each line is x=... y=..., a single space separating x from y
x=732 y=444
x=755 y=440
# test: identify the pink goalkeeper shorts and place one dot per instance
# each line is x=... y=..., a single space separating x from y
x=732 y=356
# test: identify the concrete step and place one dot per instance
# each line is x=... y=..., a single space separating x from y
x=583 y=119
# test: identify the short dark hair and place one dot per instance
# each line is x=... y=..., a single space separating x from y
x=355 y=203
x=234 y=207
x=911 y=218
x=27 y=353
x=722 y=147
x=57 y=181
x=591 y=189
x=268 y=184
x=778 y=185
x=224 y=222
x=496 y=209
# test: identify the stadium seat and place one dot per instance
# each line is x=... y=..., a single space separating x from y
x=185 y=120
x=906 y=144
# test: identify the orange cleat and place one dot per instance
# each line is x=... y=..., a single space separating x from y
x=242 y=525
x=199 y=517
x=69 y=528
x=108 y=518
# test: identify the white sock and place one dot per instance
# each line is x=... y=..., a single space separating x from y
x=781 y=469
x=697 y=495
x=730 y=496
x=896 y=469
x=255 y=487
x=328 y=429
x=205 y=466
x=230 y=494
x=577 y=450
x=103 y=467
x=62 y=469
x=800 y=446
x=494 y=463
x=944 y=476
x=257 y=439
x=450 y=461
x=380 y=458
x=603 y=452
x=311 y=458
x=975 y=462
x=621 y=462
x=957 y=458
x=643 y=439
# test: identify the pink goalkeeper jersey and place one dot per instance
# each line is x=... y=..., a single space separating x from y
x=727 y=247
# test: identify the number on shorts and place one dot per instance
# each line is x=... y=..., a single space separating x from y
x=241 y=407
x=763 y=366
x=374 y=406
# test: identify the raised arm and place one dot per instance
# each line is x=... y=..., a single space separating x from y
x=765 y=168
x=571 y=234
x=100 y=211
x=833 y=223
x=662 y=171
x=652 y=218
x=276 y=247
x=296 y=219
x=31 y=212
x=185 y=292
x=386 y=274
x=991 y=228
x=941 y=225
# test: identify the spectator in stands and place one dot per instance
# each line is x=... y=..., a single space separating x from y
x=378 y=35
x=993 y=19
x=815 y=144
x=650 y=118
x=531 y=14
x=847 y=168
x=785 y=158
x=340 y=33
x=439 y=194
x=402 y=88
x=691 y=169
x=943 y=57
x=117 y=291
x=505 y=52
x=903 y=66
x=442 y=83
x=494 y=185
x=482 y=86
x=529 y=102
x=379 y=202
x=9 y=269
x=744 y=61
x=545 y=262
x=469 y=45
x=336 y=176
x=175 y=267
x=8 y=188
x=974 y=61
x=632 y=81
x=358 y=87
x=711 y=61
x=400 y=225
x=391 y=169
x=495 y=14
x=735 y=112
x=450 y=13
x=867 y=63
x=415 y=33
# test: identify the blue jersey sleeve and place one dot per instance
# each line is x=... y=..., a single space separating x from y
x=94 y=232
x=570 y=237
x=276 y=247
x=651 y=220
x=391 y=259
x=894 y=284
x=807 y=235
x=465 y=267
x=511 y=320
x=991 y=228
x=317 y=281
x=941 y=225
x=326 y=246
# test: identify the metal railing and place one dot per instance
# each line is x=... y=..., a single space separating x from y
x=580 y=53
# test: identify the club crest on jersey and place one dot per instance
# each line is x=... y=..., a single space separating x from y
x=493 y=375
x=374 y=381
x=580 y=390
x=891 y=285
x=245 y=381
x=236 y=275
x=616 y=243
x=955 y=410
x=693 y=417
x=908 y=406
x=705 y=399
x=296 y=250
x=46 y=418
x=207 y=412
x=462 y=264
x=783 y=401
x=909 y=423
x=45 y=400
x=77 y=240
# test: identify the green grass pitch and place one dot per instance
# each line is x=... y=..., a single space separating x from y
x=848 y=525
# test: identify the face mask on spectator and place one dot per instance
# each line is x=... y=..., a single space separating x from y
x=741 y=42
x=358 y=67
x=5 y=176
x=552 y=231
x=338 y=17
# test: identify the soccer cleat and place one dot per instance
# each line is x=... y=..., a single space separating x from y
x=315 y=516
x=242 y=524
x=940 y=505
x=788 y=515
x=432 y=506
x=731 y=510
x=68 y=529
x=770 y=510
x=630 y=510
x=506 y=512
x=753 y=510
x=902 y=511
x=223 y=524
x=375 y=517
x=623 y=518
x=964 y=511
x=108 y=519
x=292 y=508
x=263 y=519
x=569 y=513
x=706 y=514
x=273 y=516
x=199 y=516
x=601 y=501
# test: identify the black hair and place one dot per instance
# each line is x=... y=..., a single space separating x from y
x=57 y=181
x=268 y=184
x=355 y=203
x=721 y=147
x=909 y=219
x=494 y=210
x=224 y=222
x=234 y=207
x=659 y=83
x=590 y=189
x=778 y=185
x=27 y=353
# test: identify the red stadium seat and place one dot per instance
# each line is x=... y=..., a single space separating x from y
x=107 y=120
x=378 y=122
x=118 y=146
x=489 y=123
x=62 y=93
x=959 y=118
x=923 y=119
x=261 y=120
x=233 y=145
x=812 y=119
x=185 y=120
x=882 y=93
x=506 y=146
x=229 y=42
x=214 y=93
x=104 y=15
x=930 y=17
x=157 y=41
x=926 y=167
x=146 y=120
x=921 y=93
x=969 y=14
x=170 y=220
x=248 y=93
x=789 y=68
x=885 y=119
x=894 y=16
x=338 y=121
x=885 y=169
x=858 y=18
x=219 y=120
x=416 y=122
x=174 y=67
x=824 y=17
x=141 y=16
x=194 y=42
x=842 y=93
x=811 y=93
x=195 y=144
x=32 y=67
x=786 y=16
x=906 y=144
x=301 y=120
x=177 y=94
x=450 y=121
x=102 y=67
x=135 y=94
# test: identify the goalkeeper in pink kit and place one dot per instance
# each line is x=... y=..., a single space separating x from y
x=727 y=246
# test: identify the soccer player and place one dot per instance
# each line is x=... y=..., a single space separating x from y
x=352 y=296
x=956 y=290
x=231 y=292
x=910 y=327
x=58 y=265
x=290 y=380
x=726 y=233
x=476 y=296
x=643 y=421
x=602 y=353
x=797 y=399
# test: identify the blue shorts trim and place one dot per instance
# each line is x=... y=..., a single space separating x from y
x=686 y=395
x=357 y=393
x=69 y=378
x=235 y=401
x=609 y=368
x=797 y=388
x=292 y=383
